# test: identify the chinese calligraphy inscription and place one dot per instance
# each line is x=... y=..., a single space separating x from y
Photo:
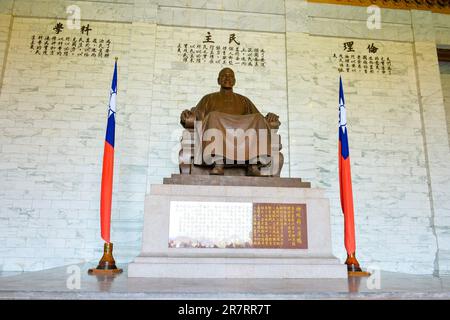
x=231 y=53
x=70 y=46
x=196 y=224
x=368 y=61
x=278 y=225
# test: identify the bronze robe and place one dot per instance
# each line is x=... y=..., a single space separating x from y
x=225 y=112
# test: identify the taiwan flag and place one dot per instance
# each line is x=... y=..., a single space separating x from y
x=345 y=177
x=108 y=163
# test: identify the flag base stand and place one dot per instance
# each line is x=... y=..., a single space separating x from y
x=353 y=268
x=107 y=264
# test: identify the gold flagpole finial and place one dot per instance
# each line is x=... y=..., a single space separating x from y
x=116 y=58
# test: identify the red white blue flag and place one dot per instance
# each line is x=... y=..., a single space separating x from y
x=108 y=163
x=345 y=177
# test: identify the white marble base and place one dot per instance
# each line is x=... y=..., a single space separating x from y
x=157 y=260
x=198 y=267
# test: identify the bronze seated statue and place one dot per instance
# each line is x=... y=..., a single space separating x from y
x=225 y=134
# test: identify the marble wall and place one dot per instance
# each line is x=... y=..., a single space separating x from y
x=53 y=114
x=386 y=147
x=53 y=126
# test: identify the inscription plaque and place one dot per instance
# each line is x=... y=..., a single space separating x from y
x=198 y=224
x=279 y=225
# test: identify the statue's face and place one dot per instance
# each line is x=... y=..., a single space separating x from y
x=226 y=78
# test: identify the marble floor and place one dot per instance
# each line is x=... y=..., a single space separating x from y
x=62 y=283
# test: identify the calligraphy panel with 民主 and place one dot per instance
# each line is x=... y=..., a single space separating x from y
x=231 y=52
x=279 y=225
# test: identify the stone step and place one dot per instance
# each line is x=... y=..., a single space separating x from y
x=211 y=180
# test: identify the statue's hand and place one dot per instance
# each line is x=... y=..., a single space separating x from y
x=187 y=119
x=185 y=115
x=271 y=117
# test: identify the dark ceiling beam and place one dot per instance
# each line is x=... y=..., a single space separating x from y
x=438 y=6
x=443 y=54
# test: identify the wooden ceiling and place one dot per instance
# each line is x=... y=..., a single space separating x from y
x=438 y=6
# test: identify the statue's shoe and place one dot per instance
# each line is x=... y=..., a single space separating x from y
x=253 y=170
x=218 y=170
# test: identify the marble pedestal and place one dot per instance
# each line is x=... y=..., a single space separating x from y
x=157 y=260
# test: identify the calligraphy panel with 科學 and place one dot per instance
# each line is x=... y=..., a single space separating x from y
x=70 y=43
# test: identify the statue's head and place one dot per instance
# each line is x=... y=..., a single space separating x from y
x=226 y=78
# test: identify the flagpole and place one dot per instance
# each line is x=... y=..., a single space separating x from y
x=346 y=192
x=107 y=264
